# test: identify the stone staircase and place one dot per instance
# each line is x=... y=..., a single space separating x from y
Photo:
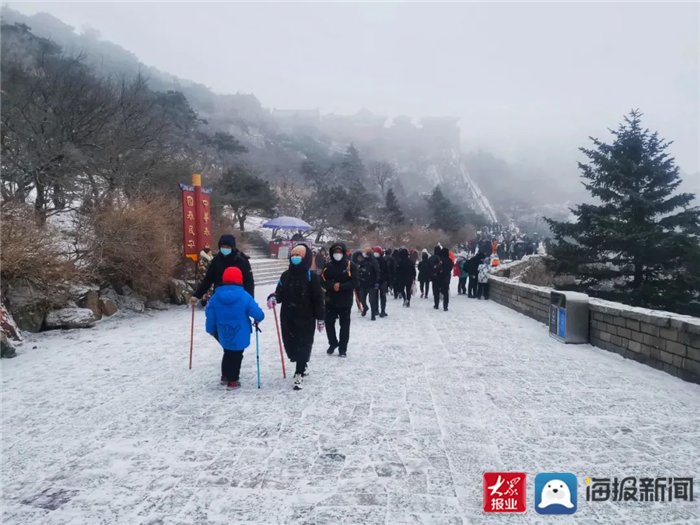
x=265 y=269
x=268 y=271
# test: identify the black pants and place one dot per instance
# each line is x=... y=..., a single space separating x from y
x=462 y=286
x=397 y=289
x=406 y=290
x=424 y=288
x=343 y=315
x=483 y=291
x=441 y=288
x=373 y=299
x=298 y=338
x=231 y=364
x=473 y=285
x=382 y=297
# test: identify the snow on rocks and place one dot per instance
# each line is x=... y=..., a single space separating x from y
x=127 y=300
x=179 y=291
x=70 y=318
x=107 y=306
x=399 y=432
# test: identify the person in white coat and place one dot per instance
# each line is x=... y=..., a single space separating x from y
x=484 y=271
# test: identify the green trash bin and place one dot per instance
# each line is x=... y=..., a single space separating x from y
x=568 y=317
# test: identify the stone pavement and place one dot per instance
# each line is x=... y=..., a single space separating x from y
x=108 y=425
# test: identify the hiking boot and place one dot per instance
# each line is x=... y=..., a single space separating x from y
x=224 y=380
x=298 y=381
x=342 y=354
x=233 y=385
x=306 y=371
x=383 y=314
x=331 y=349
x=436 y=307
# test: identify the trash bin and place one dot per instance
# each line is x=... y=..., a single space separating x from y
x=568 y=317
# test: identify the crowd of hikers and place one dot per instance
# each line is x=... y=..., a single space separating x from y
x=321 y=286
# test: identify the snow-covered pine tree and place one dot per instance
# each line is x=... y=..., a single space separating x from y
x=640 y=243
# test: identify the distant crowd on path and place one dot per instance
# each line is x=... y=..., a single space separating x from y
x=320 y=287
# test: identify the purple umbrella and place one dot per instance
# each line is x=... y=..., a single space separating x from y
x=287 y=223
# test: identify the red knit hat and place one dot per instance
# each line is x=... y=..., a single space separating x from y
x=232 y=275
x=377 y=249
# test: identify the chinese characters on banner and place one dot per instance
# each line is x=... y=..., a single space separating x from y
x=205 y=231
x=196 y=217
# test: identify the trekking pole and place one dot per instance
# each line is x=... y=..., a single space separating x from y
x=279 y=339
x=192 y=337
x=257 y=351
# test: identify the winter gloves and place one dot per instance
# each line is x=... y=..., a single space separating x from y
x=271 y=301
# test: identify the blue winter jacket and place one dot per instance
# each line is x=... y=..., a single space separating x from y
x=228 y=316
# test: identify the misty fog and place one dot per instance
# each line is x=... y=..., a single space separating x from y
x=528 y=82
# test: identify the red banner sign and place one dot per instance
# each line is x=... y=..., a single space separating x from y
x=196 y=217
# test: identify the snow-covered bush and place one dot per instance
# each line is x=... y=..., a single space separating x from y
x=31 y=253
x=136 y=244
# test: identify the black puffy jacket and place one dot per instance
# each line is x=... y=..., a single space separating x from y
x=215 y=271
x=342 y=272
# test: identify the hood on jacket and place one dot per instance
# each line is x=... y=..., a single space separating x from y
x=424 y=255
x=306 y=261
x=437 y=250
x=356 y=256
x=342 y=246
x=228 y=240
x=403 y=253
x=445 y=252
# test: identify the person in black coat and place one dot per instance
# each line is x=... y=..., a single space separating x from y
x=383 y=279
x=424 y=275
x=406 y=275
x=338 y=278
x=437 y=272
x=368 y=275
x=391 y=269
x=228 y=256
x=395 y=277
x=446 y=277
x=472 y=266
x=301 y=296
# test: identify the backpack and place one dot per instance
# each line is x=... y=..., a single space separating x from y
x=437 y=267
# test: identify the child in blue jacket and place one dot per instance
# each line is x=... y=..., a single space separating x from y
x=228 y=320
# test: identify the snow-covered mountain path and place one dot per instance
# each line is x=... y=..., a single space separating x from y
x=109 y=426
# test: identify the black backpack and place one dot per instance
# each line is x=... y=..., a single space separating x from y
x=365 y=273
x=437 y=267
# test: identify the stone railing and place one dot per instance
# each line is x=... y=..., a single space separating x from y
x=663 y=340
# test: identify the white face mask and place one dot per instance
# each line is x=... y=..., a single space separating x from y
x=338 y=256
x=376 y=254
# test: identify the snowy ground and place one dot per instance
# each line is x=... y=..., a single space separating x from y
x=109 y=426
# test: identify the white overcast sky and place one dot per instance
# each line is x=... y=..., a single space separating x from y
x=528 y=81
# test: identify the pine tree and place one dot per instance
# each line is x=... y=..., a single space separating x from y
x=641 y=244
x=393 y=211
x=446 y=215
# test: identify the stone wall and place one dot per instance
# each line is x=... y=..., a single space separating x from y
x=663 y=340
x=527 y=299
